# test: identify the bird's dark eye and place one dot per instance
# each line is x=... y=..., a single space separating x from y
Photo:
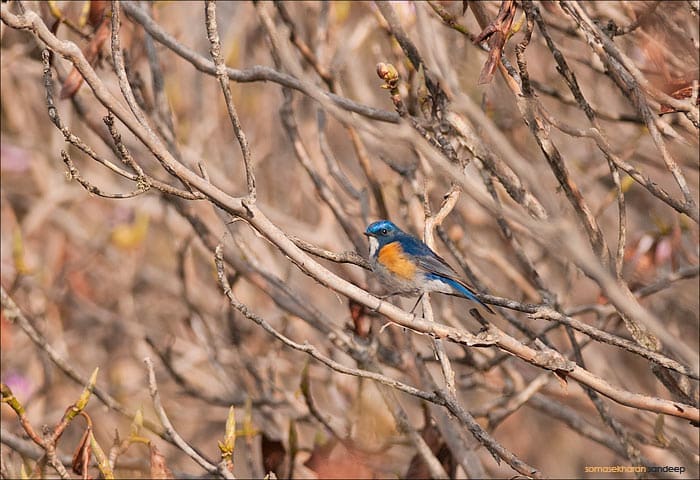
x=384 y=231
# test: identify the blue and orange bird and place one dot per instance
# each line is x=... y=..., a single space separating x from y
x=406 y=265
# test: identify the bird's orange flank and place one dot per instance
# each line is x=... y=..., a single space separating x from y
x=391 y=256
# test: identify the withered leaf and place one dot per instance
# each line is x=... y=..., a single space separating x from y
x=273 y=453
x=496 y=33
x=81 y=456
x=159 y=469
x=680 y=94
x=74 y=79
x=418 y=468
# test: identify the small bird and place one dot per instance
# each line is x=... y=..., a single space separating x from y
x=406 y=265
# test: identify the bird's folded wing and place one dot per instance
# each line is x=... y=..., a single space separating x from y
x=427 y=260
x=432 y=263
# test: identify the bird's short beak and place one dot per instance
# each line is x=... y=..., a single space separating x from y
x=368 y=234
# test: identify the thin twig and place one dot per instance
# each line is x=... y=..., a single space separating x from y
x=252 y=74
x=215 y=51
x=170 y=430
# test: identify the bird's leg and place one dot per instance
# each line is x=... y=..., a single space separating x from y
x=417 y=302
x=384 y=297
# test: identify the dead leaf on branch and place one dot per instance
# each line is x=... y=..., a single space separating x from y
x=100 y=21
x=418 y=468
x=81 y=456
x=159 y=469
x=273 y=453
x=680 y=94
x=497 y=33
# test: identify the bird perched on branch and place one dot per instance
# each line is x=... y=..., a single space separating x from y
x=405 y=265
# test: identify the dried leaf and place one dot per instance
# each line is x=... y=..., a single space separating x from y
x=96 y=15
x=433 y=438
x=273 y=453
x=74 y=79
x=680 y=94
x=159 y=469
x=497 y=33
x=362 y=323
x=81 y=456
x=71 y=84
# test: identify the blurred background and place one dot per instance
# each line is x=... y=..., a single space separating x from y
x=107 y=282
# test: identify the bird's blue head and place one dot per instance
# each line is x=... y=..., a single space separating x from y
x=382 y=230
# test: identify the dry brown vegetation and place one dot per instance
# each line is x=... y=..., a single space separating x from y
x=184 y=192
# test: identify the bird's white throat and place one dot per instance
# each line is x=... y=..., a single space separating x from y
x=373 y=246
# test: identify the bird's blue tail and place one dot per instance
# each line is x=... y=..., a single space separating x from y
x=465 y=292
